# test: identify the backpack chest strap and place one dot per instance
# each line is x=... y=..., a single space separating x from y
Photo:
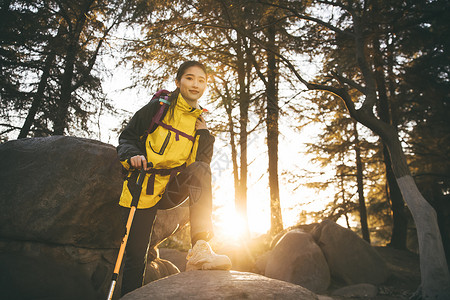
x=176 y=131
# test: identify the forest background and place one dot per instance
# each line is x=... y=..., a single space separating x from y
x=321 y=109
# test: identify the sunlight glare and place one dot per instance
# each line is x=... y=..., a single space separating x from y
x=229 y=226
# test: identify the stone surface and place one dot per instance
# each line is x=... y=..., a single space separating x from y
x=322 y=297
x=176 y=257
x=159 y=268
x=302 y=227
x=27 y=277
x=261 y=262
x=219 y=285
x=297 y=259
x=59 y=197
x=362 y=290
x=350 y=259
x=60 y=190
x=168 y=222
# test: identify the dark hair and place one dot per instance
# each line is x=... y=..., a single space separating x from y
x=186 y=65
x=181 y=70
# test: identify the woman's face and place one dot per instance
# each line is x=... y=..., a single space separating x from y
x=192 y=84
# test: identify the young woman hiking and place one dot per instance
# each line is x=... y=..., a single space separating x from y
x=179 y=147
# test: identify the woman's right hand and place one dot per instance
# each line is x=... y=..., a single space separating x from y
x=138 y=161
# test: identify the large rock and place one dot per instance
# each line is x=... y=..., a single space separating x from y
x=159 y=268
x=27 y=277
x=296 y=258
x=302 y=227
x=360 y=290
x=350 y=258
x=168 y=222
x=60 y=190
x=261 y=262
x=59 y=200
x=219 y=285
x=176 y=257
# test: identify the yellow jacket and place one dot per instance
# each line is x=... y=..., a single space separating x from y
x=161 y=146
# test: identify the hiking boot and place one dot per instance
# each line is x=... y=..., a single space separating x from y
x=202 y=257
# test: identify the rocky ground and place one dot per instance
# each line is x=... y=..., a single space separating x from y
x=405 y=277
x=402 y=283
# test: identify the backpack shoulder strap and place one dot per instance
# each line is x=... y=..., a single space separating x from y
x=164 y=102
x=162 y=96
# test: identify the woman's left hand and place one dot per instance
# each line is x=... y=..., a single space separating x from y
x=200 y=124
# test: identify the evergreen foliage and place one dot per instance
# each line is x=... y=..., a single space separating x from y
x=51 y=81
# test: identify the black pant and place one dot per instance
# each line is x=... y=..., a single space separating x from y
x=194 y=183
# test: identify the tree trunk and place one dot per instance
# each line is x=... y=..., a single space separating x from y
x=272 y=135
x=433 y=265
x=60 y=122
x=228 y=109
x=400 y=221
x=360 y=184
x=400 y=226
x=241 y=199
x=434 y=272
x=37 y=99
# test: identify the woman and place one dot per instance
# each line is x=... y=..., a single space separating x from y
x=175 y=148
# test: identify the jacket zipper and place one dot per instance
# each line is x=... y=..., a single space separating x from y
x=164 y=145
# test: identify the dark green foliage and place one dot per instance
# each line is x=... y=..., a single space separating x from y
x=50 y=81
x=424 y=106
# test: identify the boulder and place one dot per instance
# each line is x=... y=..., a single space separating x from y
x=323 y=297
x=297 y=259
x=350 y=258
x=361 y=290
x=302 y=227
x=261 y=262
x=28 y=277
x=60 y=190
x=159 y=268
x=219 y=285
x=176 y=257
x=168 y=222
x=59 y=197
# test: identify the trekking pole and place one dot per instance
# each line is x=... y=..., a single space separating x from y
x=134 y=203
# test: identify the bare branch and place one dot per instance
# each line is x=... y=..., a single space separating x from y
x=10 y=128
x=350 y=82
x=308 y=18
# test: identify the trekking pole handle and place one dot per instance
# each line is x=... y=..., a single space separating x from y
x=149 y=164
x=142 y=173
x=141 y=176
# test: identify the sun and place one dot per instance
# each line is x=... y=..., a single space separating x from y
x=230 y=226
